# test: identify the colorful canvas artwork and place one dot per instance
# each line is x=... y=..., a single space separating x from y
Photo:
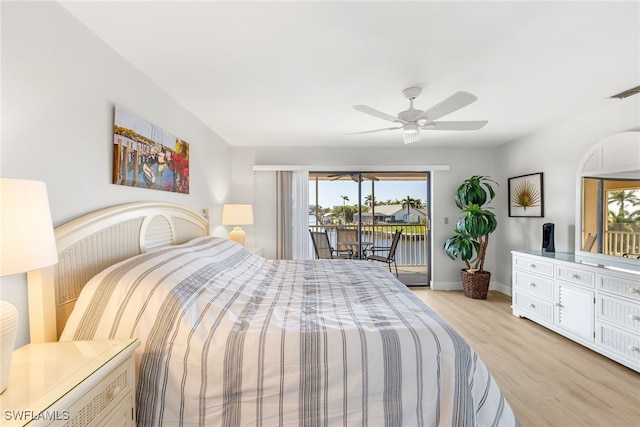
x=146 y=156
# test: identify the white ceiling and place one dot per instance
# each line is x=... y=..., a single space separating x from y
x=288 y=73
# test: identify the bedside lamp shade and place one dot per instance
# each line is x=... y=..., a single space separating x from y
x=27 y=243
x=26 y=229
x=237 y=215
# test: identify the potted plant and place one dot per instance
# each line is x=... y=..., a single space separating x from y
x=472 y=234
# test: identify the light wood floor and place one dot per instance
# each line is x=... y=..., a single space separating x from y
x=547 y=379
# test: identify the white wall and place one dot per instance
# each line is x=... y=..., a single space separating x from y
x=59 y=86
x=259 y=188
x=557 y=153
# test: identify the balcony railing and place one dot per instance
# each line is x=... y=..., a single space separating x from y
x=411 y=249
x=619 y=243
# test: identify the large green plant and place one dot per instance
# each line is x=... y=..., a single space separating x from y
x=476 y=224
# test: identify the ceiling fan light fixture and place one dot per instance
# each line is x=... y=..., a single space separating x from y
x=411 y=133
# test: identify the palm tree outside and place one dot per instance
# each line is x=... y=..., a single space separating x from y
x=369 y=201
x=345 y=199
x=624 y=219
x=408 y=203
x=622 y=198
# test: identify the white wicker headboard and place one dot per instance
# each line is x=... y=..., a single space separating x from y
x=91 y=243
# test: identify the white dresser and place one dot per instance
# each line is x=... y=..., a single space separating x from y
x=595 y=305
x=75 y=383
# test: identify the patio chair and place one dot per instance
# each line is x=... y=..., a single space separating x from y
x=322 y=246
x=347 y=240
x=588 y=242
x=391 y=252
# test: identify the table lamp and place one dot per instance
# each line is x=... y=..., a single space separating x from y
x=237 y=215
x=27 y=243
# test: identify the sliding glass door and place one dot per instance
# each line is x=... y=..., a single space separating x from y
x=362 y=210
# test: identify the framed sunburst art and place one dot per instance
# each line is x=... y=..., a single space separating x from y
x=525 y=196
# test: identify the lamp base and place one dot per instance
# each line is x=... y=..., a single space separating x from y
x=238 y=235
x=8 y=330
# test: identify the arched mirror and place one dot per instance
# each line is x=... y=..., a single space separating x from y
x=608 y=222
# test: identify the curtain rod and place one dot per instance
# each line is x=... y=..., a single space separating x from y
x=347 y=168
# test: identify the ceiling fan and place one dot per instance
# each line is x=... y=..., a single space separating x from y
x=412 y=121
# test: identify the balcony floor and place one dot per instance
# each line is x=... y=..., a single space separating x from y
x=412 y=276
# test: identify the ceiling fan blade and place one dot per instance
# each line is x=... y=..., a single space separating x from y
x=376 y=113
x=449 y=105
x=336 y=177
x=372 y=131
x=370 y=177
x=462 y=125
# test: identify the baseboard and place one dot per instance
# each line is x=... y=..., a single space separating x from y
x=457 y=286
x=446 y=286
x=503 y=289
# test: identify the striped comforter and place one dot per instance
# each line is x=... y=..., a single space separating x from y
x=231 y=339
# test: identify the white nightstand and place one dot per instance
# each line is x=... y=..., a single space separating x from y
x=73 y=383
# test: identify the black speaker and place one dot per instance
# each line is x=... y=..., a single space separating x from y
x=547 y=237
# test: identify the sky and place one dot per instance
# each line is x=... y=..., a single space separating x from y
x=126 y=119
x=330 y=192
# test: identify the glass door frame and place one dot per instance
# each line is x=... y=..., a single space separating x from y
x=426 y=178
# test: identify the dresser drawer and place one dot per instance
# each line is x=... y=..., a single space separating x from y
x=535 y=285
x=577 y=276
x=620 y=342
x=536 y=307
x=625 y=314
x=533 y=265
x=620 y=285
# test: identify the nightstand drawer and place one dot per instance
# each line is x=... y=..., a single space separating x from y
x=533 y=265
x=104 y=397
x=534 y=285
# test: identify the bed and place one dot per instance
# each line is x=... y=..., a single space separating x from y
x=229 y=338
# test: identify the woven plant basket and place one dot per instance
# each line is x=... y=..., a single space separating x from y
x=475 y=285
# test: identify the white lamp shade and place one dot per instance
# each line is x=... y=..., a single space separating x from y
x=27 y=242
x=26 y=229
x=237 y=215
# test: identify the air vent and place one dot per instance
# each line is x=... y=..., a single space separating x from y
x=627 y=93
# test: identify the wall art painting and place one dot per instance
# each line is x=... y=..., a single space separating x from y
x=146 y=156
x=525 y=196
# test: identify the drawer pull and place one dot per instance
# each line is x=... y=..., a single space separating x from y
x=532 y=284
x=633 y=317
x=634 y=290
x=532 y=266
x=575 y=276
x=633 y=348
x=114 y=392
